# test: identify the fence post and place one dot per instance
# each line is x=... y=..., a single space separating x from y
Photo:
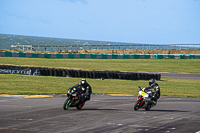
x=149 y=47
x=113 y=47
x=71 y=47
x=58 y=47
x=38 y=47
x=143 y=46
x=45 y=48
x=119 y=47
x=180 y=46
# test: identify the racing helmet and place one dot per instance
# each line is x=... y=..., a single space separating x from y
x=83 y=82
x=152 y=82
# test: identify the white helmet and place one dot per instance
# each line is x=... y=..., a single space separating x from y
x=83 y=82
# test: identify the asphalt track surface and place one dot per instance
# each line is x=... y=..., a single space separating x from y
x=180 y=75
x=102 y=114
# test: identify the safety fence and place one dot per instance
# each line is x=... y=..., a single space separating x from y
x=45 y=71
x=100 y=56
x=109 y=46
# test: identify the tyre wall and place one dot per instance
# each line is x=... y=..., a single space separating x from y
x=44 y=71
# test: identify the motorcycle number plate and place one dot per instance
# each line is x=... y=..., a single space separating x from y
x=143 y=93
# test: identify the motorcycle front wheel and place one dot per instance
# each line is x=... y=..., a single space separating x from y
x=137 y=105
x=66 y=103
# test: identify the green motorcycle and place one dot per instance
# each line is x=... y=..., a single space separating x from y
x=73 y=99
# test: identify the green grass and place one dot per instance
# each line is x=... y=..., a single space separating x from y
x=23 y=84
x=140 y=65
x=29 y=85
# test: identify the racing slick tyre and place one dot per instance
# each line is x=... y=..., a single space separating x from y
x=80 y=106
x=137 y=105
x=148 y=107
x=66 y=104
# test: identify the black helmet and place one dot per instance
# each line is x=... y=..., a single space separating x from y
x=83 y=82
x=152 y=82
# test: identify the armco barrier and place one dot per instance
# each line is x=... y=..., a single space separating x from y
x=100 y=56
x=44 y=71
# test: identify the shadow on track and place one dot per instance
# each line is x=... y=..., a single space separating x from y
x=168 y=110
x=101 y=109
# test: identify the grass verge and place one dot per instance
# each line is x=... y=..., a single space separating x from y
x=140 y=65
x=33 y=85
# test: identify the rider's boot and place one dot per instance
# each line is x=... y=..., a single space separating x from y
x=154 y=102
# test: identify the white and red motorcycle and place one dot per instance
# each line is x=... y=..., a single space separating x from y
x=144 y=99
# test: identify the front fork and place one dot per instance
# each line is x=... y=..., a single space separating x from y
x=74 y=101
x=142 y=101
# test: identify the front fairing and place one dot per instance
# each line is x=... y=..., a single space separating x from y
x=144 y=94
x=73 y=93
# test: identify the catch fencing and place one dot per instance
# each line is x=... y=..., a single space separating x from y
x=66 y=48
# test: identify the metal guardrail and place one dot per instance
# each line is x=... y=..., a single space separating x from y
x=105 y=47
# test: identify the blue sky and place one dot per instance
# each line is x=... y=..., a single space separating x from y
x=131 y=21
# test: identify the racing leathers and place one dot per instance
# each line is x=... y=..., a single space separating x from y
x=86 y=91
x=155 y=89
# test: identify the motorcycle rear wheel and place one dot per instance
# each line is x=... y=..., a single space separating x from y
x=66 y=103
x=80 y=106
x=148 y=107
x=137 y=105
